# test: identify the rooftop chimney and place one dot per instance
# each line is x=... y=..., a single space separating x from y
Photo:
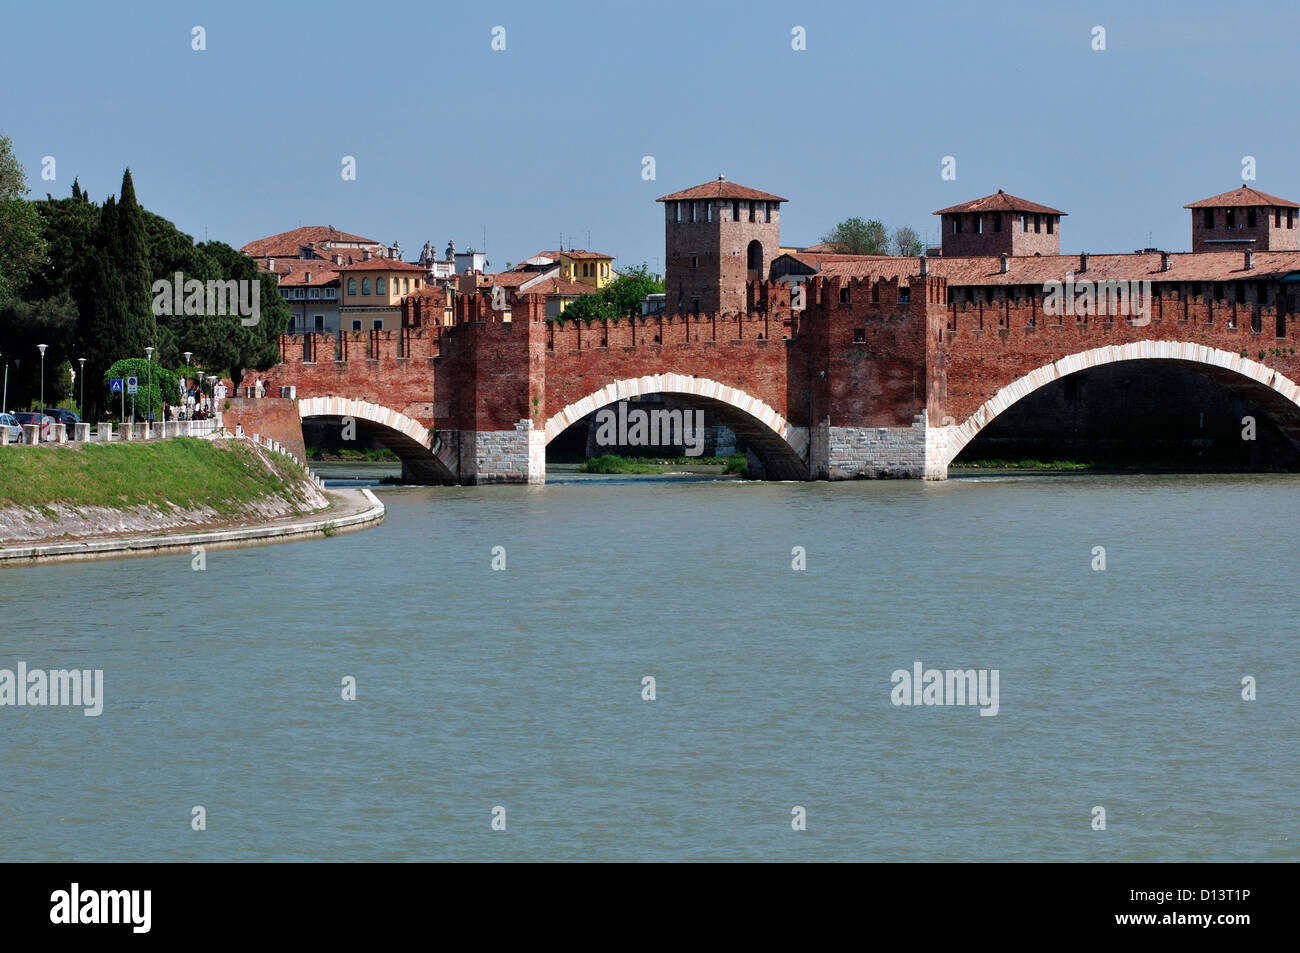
x=1005 y=265
x=365 y=256
x=1164 y=261
x=270 y=264
x=925 y=266
x=1083 y=262
x=1250 y=259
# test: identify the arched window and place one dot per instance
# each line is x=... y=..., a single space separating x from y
x=754 y=259
x=404 y=285
x=381 y=285
x=365 y=286
x=352 y=286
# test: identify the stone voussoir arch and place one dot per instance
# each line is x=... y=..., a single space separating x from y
x=364 y=410
x=1183 y=352
x=795 y=438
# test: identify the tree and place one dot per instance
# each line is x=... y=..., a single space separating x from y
x=25 y=324
x=157 y=384
x=907 y=243
x=223 y=341
x=22 y=246
x=621 y=298
x=116 y=320
x=589 y=307
x=854 y=236
x=626 y=292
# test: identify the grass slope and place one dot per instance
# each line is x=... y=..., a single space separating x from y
x=223 y=474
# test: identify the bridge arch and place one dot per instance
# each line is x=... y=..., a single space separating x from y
x=411 y=440
x=1256 y=381
x=781 y=447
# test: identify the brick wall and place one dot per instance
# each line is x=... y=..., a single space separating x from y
x=272 y=417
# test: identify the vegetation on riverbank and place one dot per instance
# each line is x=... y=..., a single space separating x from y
x=349 y=455
x=1023 y=465
x=615 y=463
x=225 y=476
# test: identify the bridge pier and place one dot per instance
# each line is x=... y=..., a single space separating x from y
x=501 y=456
x=917 y=452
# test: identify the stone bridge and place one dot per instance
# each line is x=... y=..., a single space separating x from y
x=873 y=377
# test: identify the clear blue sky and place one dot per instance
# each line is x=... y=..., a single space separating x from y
x=450 y=137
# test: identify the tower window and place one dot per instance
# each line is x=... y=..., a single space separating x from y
x=1250 y=218
x=1277 y=218
x=735 y=210
x=767 y=211
x=1038 y=223
x=677 y=210
x=695 y=261
x=1229 y=219
x=1290 y=218
x=694 y=210
x=1051 y=219
x=956 y=224
x=997 y=221
x=1209 y=218
x=708 y=211
x=753 y=211
x=844 y=295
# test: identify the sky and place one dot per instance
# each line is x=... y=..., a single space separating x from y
x=545 y=138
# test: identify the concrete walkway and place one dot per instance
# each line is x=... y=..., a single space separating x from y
x=352 y=509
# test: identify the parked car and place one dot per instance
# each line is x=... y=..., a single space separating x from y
x=68 y=418
x=45 y=422
x=10 y=423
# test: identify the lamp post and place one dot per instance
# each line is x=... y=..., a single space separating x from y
x=148 y=389
x=82 y=362
x=184 y=390
x=4 y=399
x=41 y=409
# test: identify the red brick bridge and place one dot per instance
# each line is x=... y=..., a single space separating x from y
x=873 y=377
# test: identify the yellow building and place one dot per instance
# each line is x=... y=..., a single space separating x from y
x=585 y=267
x=371 y=293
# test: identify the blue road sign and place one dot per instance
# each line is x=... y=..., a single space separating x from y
x=115 y=385
x=132 y=385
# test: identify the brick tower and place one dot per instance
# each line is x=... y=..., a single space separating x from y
x=718 y=236
x=1244 y=218
x=1000 y=224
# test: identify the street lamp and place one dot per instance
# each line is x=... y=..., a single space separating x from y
x=212 y=401
x=148 y=389
x=185 y=389
x=82 y=362
x=41 y=409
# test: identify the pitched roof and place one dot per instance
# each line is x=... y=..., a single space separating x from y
x=1243 y=196
x=558 y=286
x=1037 y=269
x=720 y=188
x=287 y=244
x=1000 y=201
x=320 y=273
x=382 y=264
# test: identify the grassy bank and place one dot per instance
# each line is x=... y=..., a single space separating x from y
x=1023 y=465
x=614 y=463
x=223 y=475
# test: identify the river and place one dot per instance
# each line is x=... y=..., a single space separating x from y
x=522 y=688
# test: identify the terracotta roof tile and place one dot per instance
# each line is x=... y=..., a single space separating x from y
x=1000 y=201
x=1037 y=269
x=382 y=264
x=1243 y=196
x=720 y=188
x=287 y=244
